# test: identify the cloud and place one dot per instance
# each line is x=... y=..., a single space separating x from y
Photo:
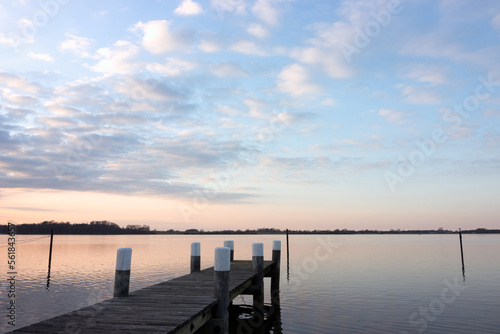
x=227 y=69
x=77 y=45
x=295 y=80
x=257 y=108
x=172 y=66
x=392 y=116
x=247 y=47
x=188 y=7
x=41 y=56
x=495 y=22
x=258 y=31
x=332 y=62
x=121 y=58
x=157 y=37
x=420 y=95
x=328 y=102
x=19 y=83
x=265 y=11
x=431 y=73
x=209 y=46
x=230 y=6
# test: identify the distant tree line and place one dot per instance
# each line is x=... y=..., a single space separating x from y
x=336 y=231
x=94 y=227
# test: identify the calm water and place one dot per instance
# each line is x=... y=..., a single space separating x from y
x=335 y=284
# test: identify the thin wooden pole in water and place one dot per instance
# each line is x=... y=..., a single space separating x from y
x=50 y=251
x=461 y=250
x=287 y=248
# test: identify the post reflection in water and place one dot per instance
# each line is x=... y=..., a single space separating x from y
x=242 y=321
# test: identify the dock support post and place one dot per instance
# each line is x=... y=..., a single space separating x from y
x=122 y=274
x=258 y=283
x=230 y=245
x=275 y=272
x=221 y=288
x=195 y=257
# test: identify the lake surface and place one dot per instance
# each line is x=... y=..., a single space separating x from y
x=335 y=283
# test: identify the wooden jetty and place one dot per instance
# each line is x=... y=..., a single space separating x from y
x=186 y=304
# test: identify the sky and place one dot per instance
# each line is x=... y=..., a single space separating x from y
x=237 y=114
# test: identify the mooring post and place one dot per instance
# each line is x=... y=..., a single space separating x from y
x=195 y=257
x=50 y=250
x=461 y=250
x=221 y=289
x=275 y=272
x=230 y=245
x=122 y=275
x=258 y=283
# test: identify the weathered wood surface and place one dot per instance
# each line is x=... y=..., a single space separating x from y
x=181 y=305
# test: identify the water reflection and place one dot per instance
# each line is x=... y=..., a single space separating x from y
x=242 y=320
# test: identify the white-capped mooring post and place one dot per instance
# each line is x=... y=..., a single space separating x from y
x=221 y=288
x=122 y=274
x=230 y=245
x=195 y=257
x=275 y=272
x=258 y=282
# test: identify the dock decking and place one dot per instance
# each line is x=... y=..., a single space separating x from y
x=180 y=305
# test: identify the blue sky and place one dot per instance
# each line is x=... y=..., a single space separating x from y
x=242 y=114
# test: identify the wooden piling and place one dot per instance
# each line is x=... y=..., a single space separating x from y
x=230 y=245
x=275 y=272
x=221 y=289
x=122 y=274
x=50 y=250
x=195 y=257
x=258 y=283
x=461 y=250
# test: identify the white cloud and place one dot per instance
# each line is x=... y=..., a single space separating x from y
x=120 y=58
x=172 y=66
x=157 y=37
x=236 y=6
x=256 y=107
x=392 y=116
x=420 y=95
x=333 y=62
x=77 y=45
x=188 y=7
x=295 y=80
x=433 y=74
x=328 y=102
x=41 y=56
x=15 y=82
x=248 y=48
x=208 y=46
x=495 y=22
x=258 y=31
x=266 y=12
x=227 y=69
